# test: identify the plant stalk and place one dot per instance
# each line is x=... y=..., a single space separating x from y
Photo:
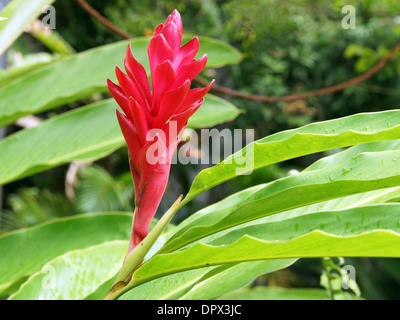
x=135 y=258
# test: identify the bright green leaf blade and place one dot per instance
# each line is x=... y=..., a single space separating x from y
x=100 y=292
x=364 y=172
x=84 y=74
x=344 y=222
x=233 y=278
x=74 y=275
x=19 y=14
x=25 y=251
x=312 y=138
x=365 y=198
x=341 y=222
x=354 y=151
x=198 y=282
x=212 y=112
x=204 y=283
x=276 y=293
x=10 y=75
x=372 y=197
x=84 y=134
x=315 y=244
x=13 y=288
x=169 y=287
x=219 y=53
x=337 y=208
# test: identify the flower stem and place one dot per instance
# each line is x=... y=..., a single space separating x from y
x=135 y=258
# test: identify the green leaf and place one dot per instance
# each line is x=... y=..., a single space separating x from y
x=85 y=134
x=212 y=112
x=9 y=75
x=333 y=211
x=74 y=275
x=164 y=288
x=276 y=293
x=169 y=287
x=19 y=14
x=354 y=151
x=84 y=74
x=339 y=222
x=362 y=173
x=365 y=198
x=219 y=53
x=13 y=288
x=377 y=243
x=138 y=254
x=100 y=292
x=312 y=138
x=204 y=283
x=25 y=251
x=218 y=283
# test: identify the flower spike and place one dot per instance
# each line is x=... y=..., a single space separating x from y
x=153 y=120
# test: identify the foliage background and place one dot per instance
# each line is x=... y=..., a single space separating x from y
x=289 y=47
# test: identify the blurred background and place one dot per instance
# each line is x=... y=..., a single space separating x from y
x=289 y=47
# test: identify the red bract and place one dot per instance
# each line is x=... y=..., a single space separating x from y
x=154 y=119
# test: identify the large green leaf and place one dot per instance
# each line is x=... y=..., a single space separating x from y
x=362 y=173
x=13 y=74
x=378 y=243
x=312 y=138
x=85 y=134
x=204 y=283
x=219 y=53
x=276 y=293
x=371 y=197
x=169 y=287
x=354 y=151
x=349 y=202
x=361 y=199
x=25 y=251
x=218 y=282
x=339 y=222
x=212 y=112
x=19 y=14
x=83 y=74
x=352 y=201
x=289 y=223
x=75 y=274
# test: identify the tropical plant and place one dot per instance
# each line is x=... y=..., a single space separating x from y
x=343 y=205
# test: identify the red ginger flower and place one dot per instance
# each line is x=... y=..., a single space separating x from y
x=166 y=108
